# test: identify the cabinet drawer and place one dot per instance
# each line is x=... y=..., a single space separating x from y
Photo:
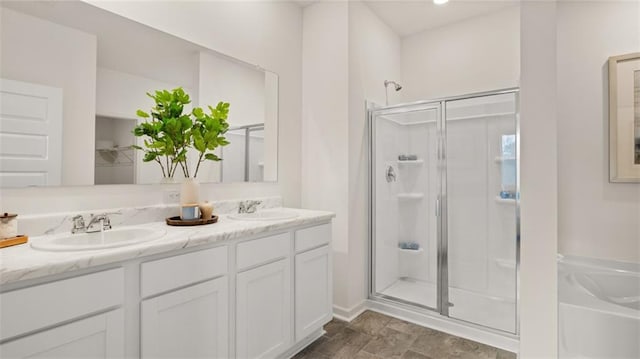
x=312 y=237
x=168 y=273
x=263 y=250
x=33 y=308
x=99 y=336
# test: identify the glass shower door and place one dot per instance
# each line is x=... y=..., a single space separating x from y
x=481 y=210
x=405 y=186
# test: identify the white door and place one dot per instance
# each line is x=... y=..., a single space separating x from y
x=189 y=323
x=314 y=296
x=263 y=321
x=100 y=336
x=30 y=134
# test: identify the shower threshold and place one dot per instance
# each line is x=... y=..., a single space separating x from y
x=490 y=311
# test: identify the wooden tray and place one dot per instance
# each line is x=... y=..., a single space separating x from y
x=19 y=239
x=176 y=221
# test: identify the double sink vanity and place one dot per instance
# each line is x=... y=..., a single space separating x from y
x=250 y=286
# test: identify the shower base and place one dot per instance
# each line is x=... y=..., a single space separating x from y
x=493 y=312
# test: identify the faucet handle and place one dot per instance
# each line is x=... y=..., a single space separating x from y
x=251 y=206
x=78 y=224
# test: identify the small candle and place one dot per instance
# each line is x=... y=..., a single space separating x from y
x=206 y=209
x=8 y=225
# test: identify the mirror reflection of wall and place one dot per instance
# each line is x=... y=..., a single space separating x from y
x=244 y=156
x=104 y=65
x=636 y=113
x=115 y=160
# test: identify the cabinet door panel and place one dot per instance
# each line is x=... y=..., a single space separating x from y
x=189 y=323
x=100 y=336
x=313 y=291
x=264 y=311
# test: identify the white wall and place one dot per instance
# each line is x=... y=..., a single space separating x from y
x=325 y=150
x=374 y=56
x=264 y=33
x=120 y=94
x=596 y=218
x=42 y=52
x=478 y=54
x=539 y=182
x=347 y=54
x=238 y=84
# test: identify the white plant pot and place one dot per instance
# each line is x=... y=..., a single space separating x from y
x=189 y=192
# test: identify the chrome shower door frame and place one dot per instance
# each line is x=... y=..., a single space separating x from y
x=372 y=111
x=443 y=303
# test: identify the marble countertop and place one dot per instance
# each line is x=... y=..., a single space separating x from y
x=22 y=262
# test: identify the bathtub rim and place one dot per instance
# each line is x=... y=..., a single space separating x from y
x=570 y=293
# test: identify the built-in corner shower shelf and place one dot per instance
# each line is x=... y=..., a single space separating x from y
x=410 y=196
x=410 y=162
x=411 y=251
x=501 y=159
x=505 y=200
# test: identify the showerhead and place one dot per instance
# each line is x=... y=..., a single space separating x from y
x=396 y=85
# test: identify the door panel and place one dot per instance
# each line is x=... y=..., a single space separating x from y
x=405 y=191
x=314 y=291
x=188 y=323
x=481 y=193
x=30 y=134
x=264 y=311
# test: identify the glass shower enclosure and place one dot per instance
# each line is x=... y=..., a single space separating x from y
x=444 y=213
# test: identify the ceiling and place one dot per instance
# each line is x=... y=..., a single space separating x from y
x=408 y=17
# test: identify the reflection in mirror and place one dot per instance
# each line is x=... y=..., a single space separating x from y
x=73 y=76
x=636 y=113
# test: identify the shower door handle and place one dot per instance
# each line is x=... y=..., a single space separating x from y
x=438 y=207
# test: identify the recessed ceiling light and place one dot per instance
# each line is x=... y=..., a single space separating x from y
x=440 y=2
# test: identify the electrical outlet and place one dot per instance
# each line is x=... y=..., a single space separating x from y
x=170 y=197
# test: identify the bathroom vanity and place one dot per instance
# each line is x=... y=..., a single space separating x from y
x=236 y=289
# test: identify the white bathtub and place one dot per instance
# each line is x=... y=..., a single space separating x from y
x=599 y=311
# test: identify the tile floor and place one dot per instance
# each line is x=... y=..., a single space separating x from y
x=373 y=336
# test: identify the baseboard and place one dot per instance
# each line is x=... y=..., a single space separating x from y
x=348 y=315
x=303 y=344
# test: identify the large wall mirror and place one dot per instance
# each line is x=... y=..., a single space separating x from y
x=72 y=77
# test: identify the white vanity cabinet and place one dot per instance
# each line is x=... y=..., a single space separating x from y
x=264 y=311
x=313 y=280
x=75 y=317
x=263 y=296
x=191 y=321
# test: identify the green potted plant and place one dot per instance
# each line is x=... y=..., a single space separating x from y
x=170 y=135
x=166 y=131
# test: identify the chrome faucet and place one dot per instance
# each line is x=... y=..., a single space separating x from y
x=248 y=206
x=97 y=223
x=101 y=220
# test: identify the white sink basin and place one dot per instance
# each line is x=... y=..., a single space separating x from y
x=118 y=237
x=264 y=216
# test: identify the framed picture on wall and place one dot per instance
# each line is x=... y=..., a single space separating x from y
x=624 y=118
